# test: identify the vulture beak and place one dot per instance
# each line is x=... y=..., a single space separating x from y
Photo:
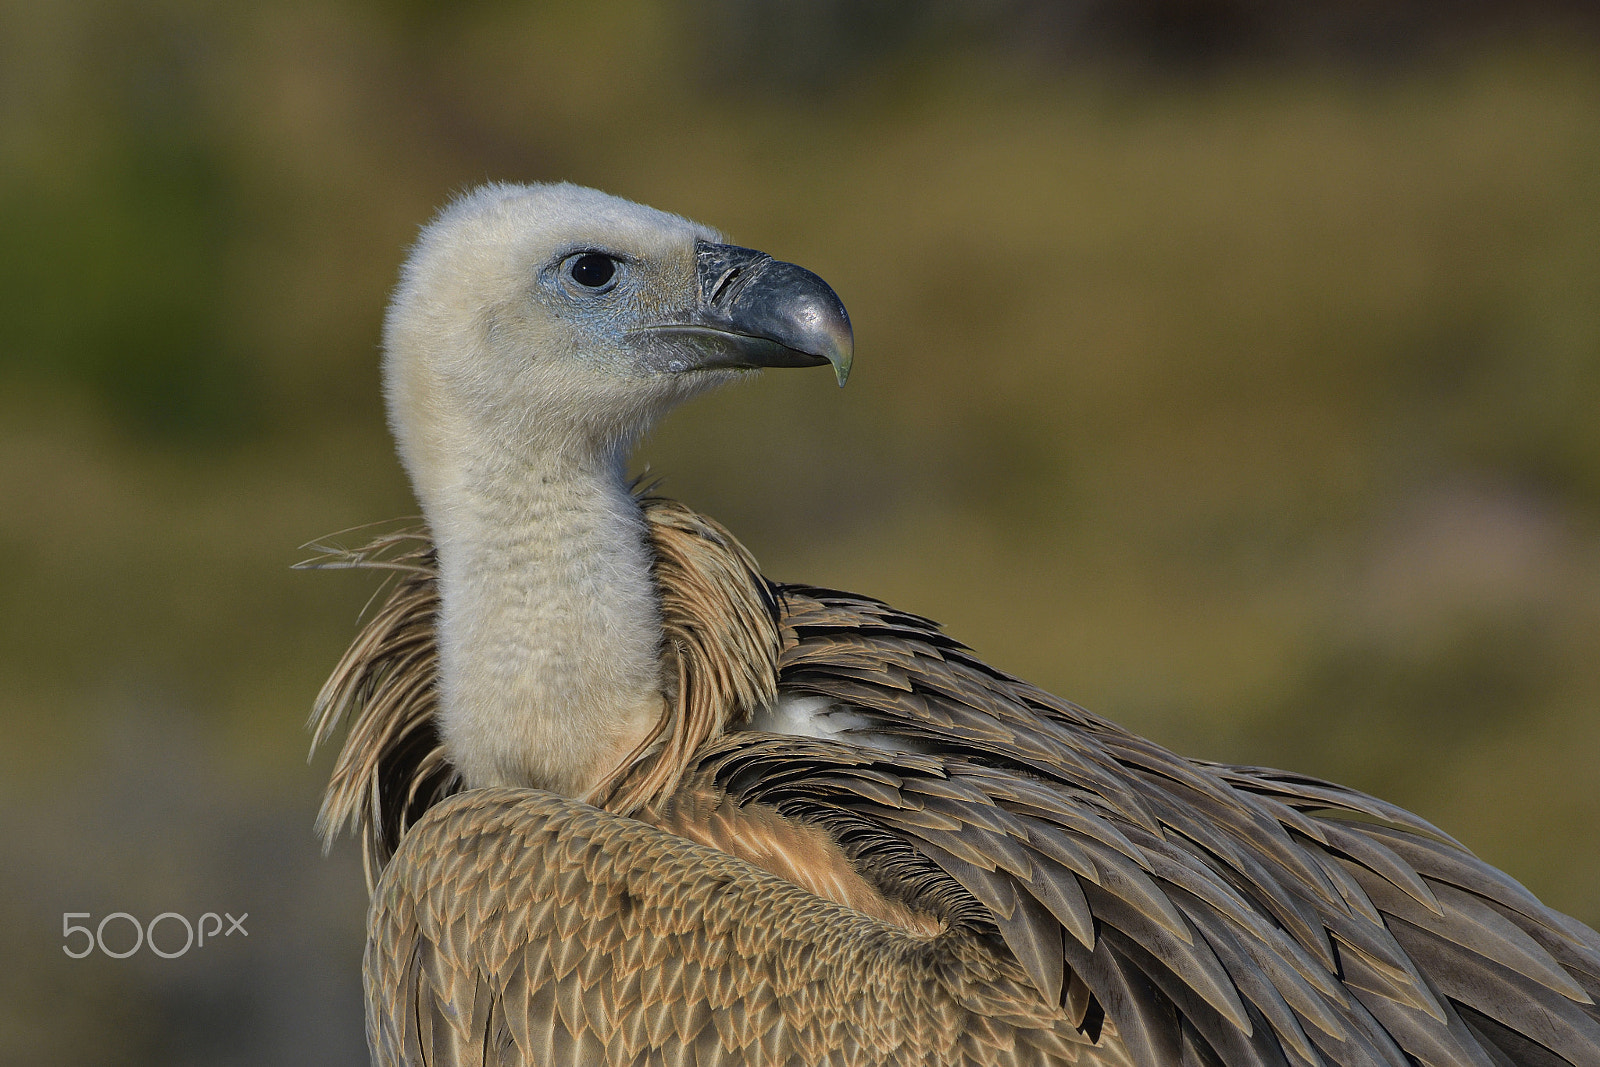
x=756 y=311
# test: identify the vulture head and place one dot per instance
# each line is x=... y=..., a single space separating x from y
x=532 y=321
x=537 y=332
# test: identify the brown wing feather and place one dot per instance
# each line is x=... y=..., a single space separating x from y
x=1379 y=940
x=1087 y=883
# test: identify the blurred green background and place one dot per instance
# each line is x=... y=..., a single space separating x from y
x=1230 y=368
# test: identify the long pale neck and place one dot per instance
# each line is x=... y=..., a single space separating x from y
x=550 y=626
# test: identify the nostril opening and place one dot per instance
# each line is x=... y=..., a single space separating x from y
x=724 y=282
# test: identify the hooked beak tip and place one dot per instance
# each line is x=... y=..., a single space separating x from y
x=841 y=359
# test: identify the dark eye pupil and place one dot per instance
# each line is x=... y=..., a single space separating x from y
x=593 y=270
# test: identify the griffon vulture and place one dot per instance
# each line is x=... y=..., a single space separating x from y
x=626 y=801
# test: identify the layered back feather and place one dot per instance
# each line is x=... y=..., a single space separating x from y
x=1126 y=904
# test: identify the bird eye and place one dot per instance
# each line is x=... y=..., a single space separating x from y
x=593 y=270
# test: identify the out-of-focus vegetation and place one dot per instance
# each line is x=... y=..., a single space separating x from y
x=1240 y=383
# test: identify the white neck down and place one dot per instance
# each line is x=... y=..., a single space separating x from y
x=550 y=625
